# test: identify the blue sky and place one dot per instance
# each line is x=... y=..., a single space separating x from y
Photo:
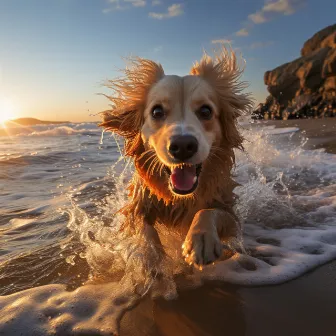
x=54 y=54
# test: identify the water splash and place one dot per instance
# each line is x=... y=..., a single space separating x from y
x=102 y=137
x=273 y=177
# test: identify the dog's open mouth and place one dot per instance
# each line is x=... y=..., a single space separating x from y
x=184 y=178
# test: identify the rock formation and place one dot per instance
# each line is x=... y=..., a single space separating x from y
x=305 y=87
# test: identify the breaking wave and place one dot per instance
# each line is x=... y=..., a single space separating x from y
x=53 y=130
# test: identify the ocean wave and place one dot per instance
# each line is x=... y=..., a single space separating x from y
x=53 y=130
x=59 y=131
x=35 y=158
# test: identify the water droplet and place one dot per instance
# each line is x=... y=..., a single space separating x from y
x=70 y=260
x=102 y=137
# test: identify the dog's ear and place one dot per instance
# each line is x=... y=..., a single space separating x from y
x=128 y=101
x=125 y=123
x=223 y=72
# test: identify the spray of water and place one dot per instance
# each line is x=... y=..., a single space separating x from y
x=272 y=180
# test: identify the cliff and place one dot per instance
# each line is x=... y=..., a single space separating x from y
x=305 y=87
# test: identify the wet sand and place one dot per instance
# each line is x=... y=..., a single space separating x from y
x=321 y=133
x=304 y=306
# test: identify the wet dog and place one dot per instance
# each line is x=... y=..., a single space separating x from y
x=181 y=133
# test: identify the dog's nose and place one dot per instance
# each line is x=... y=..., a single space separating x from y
x=183 y=147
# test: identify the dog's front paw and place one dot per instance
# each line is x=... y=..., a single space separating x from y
x=201 y=246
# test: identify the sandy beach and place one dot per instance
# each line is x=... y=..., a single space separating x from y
x=304 y=306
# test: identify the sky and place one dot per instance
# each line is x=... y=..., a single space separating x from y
x=56 y=54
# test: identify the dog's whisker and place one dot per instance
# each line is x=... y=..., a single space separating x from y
x=146 y=152
x=218 y=158
x=161 y=168
x=157 y=163
x=152 y=165
x=150 y=158
x=150 y=173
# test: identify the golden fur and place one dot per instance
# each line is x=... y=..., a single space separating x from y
x=151 y=199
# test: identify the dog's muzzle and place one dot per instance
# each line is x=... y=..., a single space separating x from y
x=183 y=176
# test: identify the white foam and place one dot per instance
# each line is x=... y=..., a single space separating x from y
x=59 y=131
x=282 y=130
x=51 y=310
x=51 y=130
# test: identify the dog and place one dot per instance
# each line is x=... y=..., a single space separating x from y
x=181 y=133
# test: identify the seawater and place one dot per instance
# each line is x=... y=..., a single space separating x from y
x=61 y=187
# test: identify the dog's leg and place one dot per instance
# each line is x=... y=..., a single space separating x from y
x=203 y=242
x=151 y=236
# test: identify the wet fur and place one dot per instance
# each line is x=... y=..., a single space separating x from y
x=151 y=199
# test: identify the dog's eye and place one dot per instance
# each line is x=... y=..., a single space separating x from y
x=205 y=112
x=158 y=112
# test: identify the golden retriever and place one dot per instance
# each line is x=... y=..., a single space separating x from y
x=181 y=132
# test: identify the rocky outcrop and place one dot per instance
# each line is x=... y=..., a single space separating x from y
x=305 y=87
x=321 y=39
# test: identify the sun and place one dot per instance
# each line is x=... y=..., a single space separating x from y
x=7 y=110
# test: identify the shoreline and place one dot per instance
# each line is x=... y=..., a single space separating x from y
x=303 y=306
x=321 y=133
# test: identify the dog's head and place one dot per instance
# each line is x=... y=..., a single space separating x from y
x=174 y=125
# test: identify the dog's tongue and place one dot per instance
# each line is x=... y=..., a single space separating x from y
x=183 y=178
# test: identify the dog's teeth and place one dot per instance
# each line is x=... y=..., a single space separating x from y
x=195 y=179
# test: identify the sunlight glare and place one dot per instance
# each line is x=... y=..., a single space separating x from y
x=7 y=110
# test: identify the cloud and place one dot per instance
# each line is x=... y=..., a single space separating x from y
x=276 y=8
x=242 y=32
x=137 y=3
x=286 y=7
x=173 y=11
x=257 y=17
x=271 y=10
x=257 y=45
x=221 y=41
x=156 y=2
x=115 y=5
